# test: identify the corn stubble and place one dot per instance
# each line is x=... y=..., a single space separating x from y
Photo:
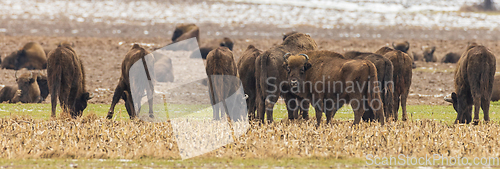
x=96 y=137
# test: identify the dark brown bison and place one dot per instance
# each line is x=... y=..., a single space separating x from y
x=163 y=70
x=246 y=72
x=285 y=35
x=226 y=42
x=9 y=94
x=474 y=79
x=495 y=96
x=328 y=81
x=403 y=47
x=402 y=74
x=66 y=80
x=31 y=56
x=384 y=76
x=186 y=31
x=271 y=77
x=221 y=70
x=127 y=81
x=450 y=57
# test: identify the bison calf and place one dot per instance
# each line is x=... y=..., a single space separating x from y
x=66 y=80
x=128 y=81
x=474 y=77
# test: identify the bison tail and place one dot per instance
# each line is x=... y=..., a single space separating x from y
x=373 y=93
x=263 y=75
x=388 y=92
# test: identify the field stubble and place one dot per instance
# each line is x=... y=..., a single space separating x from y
x=95 y=137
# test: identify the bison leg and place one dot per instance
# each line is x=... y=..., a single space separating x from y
x=116 y=97
x=304 y=107
x=395 y=107
x=319 y=112
x=129 y=105
x=53 y=102
x=404 y=97
x=270 y=101
x=149 y=93
x=251 y=100
x=358 y=110
x=291 y=106
x=477 y=106
x=485 y=105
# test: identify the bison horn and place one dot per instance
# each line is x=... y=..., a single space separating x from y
x=307 y=57
x=31 y=74
x=15 y=74
x=286 y=57
x=91 y=96
x=448 y=100
x=246 y=96
x=393 y=45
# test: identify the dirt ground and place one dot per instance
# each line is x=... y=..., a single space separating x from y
x=102 y=57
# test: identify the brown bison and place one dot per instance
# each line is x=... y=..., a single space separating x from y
x=42 y=84
x=285 y=35
x=163 y=70
x=246 y=72
x=221 y=70
x=127 y=81
x=403 y=47
x=271 y=77
x=402 y=74
x=495 y=96
x=27 y=90
x=428 y=54
x=186 y=31
x=9 y=94
x=226 y=42
x=328 y=81
x=474 y=77
x=66 y=80
x=450 y=57
x=384 y=76
x=31 y=56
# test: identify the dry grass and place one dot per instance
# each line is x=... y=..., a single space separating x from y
x=95 y=137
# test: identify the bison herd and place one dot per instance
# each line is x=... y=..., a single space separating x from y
x=375 y=84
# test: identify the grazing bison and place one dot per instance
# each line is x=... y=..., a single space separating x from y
x=66 y=80
x=403 y=47
x=164 y=70
x=186 y=31
x=451 y=57
x=347 y=82
x=220 y=69
x=271 y=75
x=226 y=42
x=402 y=74
x=246 y=72
x=384 y=76
x=127 y=81
x=474 y=77
x=31 y=56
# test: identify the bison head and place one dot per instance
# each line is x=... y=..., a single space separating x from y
x=226 y=42
x=403 y=47
x=463 y=115
x=81 y=102
x=296 y=66
x=30 y=92
x=429 y=54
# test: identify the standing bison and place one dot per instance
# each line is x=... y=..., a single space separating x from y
x=474 y=77
x=401 y=77
x=384 y=75
x=128 y=81
x=246 y=72
x=328 y=81
x=186 y=31
x=66 y=80
x=221 y=70
x=271 y=77
x=31 y=56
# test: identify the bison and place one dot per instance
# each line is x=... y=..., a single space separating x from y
x=66 y=80
x=221 y=70
x=285 y=35
x=384 y=76
x=127 y=81
x=226 y=42
x=186 y=31
x=164 y=70
x=428 y=54
x=403 y=47
x=270 y=75
x=474 y=79
x=347 y=82
x=10 y=94
x=450 y=57
x=246 y=72
x=402 y=74
x=31 y=56
x=26 y=91
x=495 y=96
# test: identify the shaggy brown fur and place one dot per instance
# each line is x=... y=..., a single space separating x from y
x=270 y=73
x=384 y=76
x=357 y=79
x=31 y=56
x=66 y=78
x=226 y=42
x=220 y=61
x=495 y=96
x=30 y=91
x=10 y=94
x=246 y=72
x=164 y=70
x=186 y=31
x=474 y=77
x=285 y=35
x=403 y=47
x=402 y=74
x=428 y=54
x=42 y=84
x=451 y=57
x=123 y=89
